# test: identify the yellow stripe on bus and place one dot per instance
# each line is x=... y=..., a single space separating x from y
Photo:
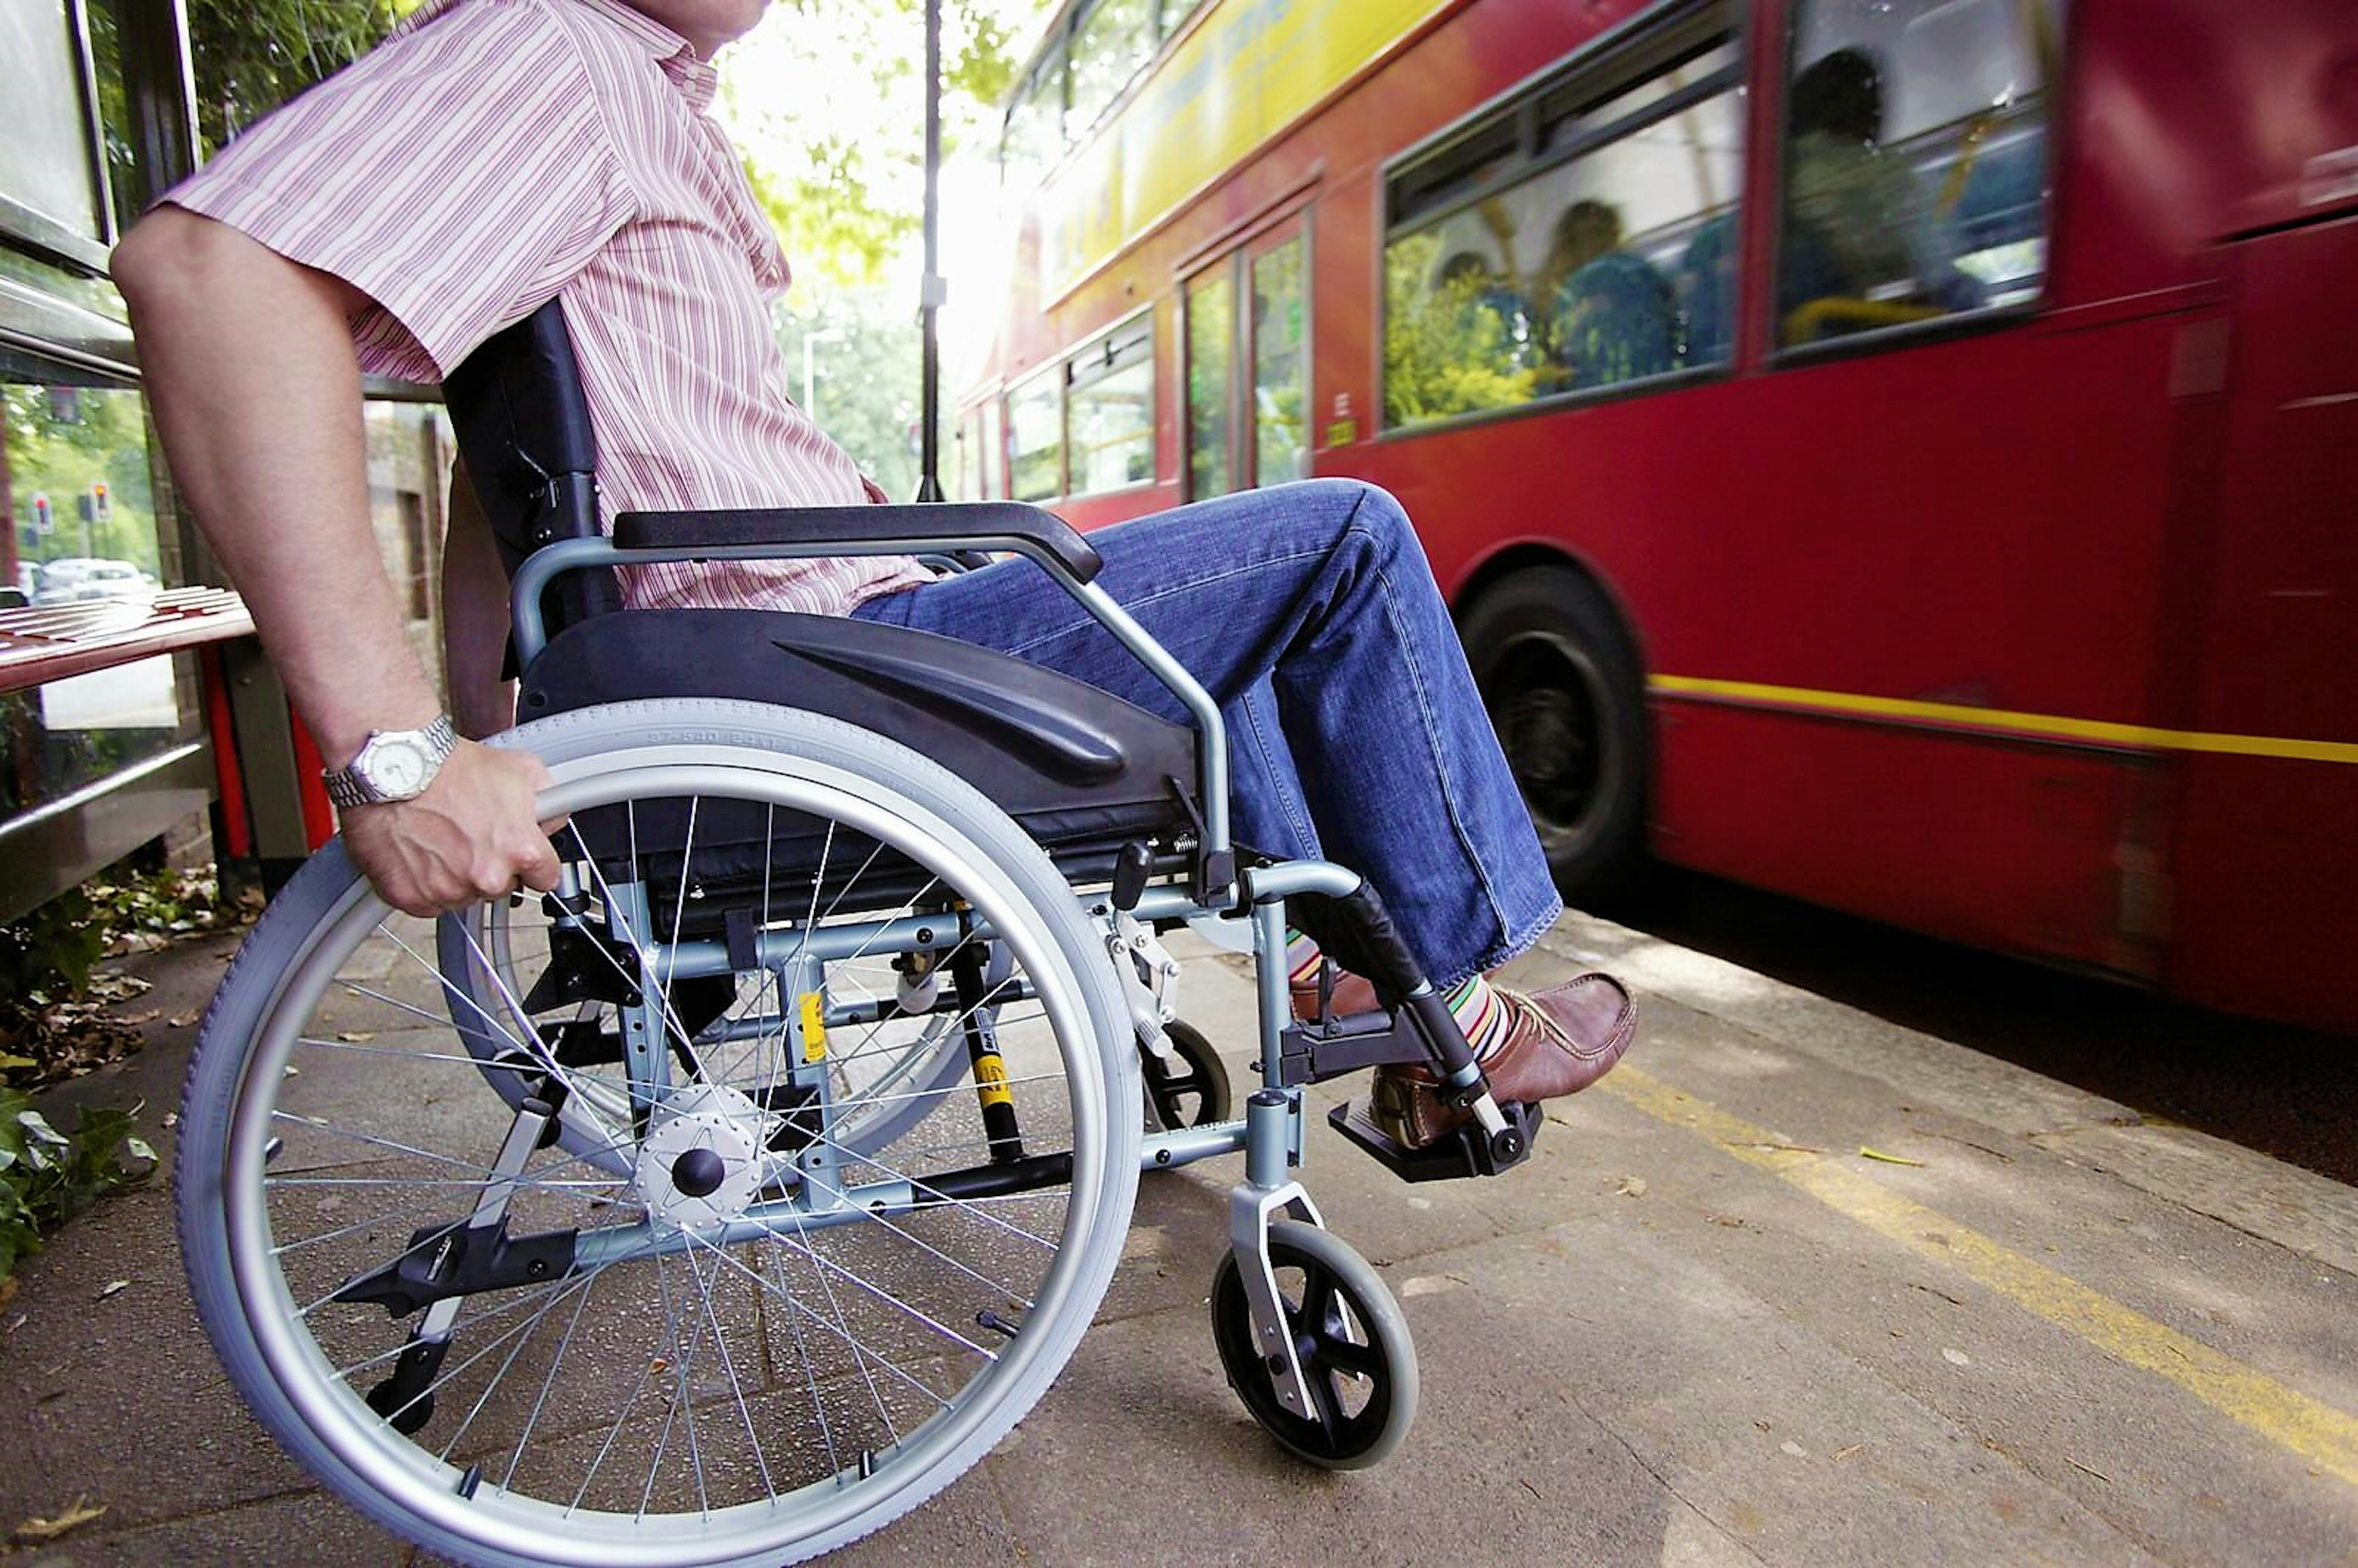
x=2036 y=726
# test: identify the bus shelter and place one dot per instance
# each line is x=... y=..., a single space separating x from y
x=133 y=709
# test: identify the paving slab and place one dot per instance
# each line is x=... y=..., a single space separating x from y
x=1700 y=1327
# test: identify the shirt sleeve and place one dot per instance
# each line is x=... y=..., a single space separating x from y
x=458 y=176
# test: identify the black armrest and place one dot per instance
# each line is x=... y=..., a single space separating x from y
x=974 y=525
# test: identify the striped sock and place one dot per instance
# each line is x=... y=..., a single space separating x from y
x=1481 y=1013
x=1302 y=958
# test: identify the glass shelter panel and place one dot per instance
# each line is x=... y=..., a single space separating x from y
x=76 y=485
x=1916 y=162
x=45 y=156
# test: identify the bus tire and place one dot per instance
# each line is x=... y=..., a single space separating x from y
x=1560 y=677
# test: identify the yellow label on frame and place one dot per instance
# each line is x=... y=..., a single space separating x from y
x=814 y=1026
x=990 y=1080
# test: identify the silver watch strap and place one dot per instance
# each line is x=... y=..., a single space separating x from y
x=347 y=788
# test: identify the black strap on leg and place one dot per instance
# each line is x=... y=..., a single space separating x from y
x=1356 y=932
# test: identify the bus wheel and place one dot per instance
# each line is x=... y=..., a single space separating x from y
x=1560 y=681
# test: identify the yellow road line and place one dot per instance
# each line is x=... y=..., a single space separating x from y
x=2042 y=725
x=2326 y=1437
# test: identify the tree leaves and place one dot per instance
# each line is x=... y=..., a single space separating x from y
x=827 y=104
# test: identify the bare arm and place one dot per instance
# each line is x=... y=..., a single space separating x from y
x=474 y=616
x=250 y=366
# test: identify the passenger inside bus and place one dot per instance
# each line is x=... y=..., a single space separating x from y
x=1608 y=314
x=1490 y=319
x=1863 y=245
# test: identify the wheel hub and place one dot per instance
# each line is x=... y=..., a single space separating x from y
x=703 y=1162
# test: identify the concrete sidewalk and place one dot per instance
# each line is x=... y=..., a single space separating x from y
x=1700 y=1327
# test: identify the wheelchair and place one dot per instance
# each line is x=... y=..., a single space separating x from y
x=731 y=1200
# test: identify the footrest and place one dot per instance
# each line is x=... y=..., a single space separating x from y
x=1464 y=1152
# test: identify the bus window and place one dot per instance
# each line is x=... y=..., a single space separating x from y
x=1112 y=408
x=1916 y=163
x=1211 y=335
x=1172 y=14
x=1115 y=37
x=1280 y=367
x=991 y=452
x=1035 y=137
x=1036 y=422
x=1602 y=253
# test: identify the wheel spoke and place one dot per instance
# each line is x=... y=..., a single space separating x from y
x=696 y=1385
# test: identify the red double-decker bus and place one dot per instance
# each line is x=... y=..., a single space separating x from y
x=1902 y=453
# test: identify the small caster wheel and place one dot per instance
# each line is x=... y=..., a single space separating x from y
x=1349 y=1336
x=1192 y=1089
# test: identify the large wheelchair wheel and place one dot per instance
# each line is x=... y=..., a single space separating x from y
x=723 y=1333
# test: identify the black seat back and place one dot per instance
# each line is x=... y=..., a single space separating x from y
x=523 y=422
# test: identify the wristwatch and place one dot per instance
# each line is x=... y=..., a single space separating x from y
x=393 y=764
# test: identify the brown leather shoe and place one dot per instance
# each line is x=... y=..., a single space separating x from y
x=1560 y=1042
x=1352 y=994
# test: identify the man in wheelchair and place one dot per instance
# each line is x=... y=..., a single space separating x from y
x=498 y=154
x=816 y=1090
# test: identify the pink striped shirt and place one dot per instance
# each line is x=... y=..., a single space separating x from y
x=494 y=153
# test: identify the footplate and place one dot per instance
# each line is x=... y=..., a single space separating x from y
x=1467 y=1151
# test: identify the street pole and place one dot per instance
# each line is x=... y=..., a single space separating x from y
x=933 y=291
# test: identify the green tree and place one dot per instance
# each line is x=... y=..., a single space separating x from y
x=251 y=56
x=827 y=103
x=864 y=364
x=60 y=441
x=1445 y=352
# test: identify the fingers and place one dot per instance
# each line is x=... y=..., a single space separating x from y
x=472 y=836
x=540 y=872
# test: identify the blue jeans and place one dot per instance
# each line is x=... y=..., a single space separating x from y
x=1355 y=733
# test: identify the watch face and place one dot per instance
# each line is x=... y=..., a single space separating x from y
x=395 y=766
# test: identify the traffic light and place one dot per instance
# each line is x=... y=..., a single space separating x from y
x=102 y=506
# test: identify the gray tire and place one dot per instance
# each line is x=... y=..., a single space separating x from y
x=289 y=1354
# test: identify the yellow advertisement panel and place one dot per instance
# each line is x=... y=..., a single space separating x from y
x=1247 y=72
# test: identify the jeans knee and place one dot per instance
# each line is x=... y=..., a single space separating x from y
x=1353 y=506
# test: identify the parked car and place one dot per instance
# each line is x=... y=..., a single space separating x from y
x=78 y=577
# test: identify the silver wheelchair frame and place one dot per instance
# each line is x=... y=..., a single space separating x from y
x=1270 y=1132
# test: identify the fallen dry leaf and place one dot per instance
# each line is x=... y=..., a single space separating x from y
x=1846 y=1452
x=1631 y=1187
x=183 y=1021
x=1866 y=1154
x=355 y=1035
x=78 y=1512
x=113 y=1287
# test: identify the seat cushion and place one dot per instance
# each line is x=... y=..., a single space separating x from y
x=1081 y=770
